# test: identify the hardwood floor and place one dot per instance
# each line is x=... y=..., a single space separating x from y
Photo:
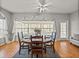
x=9 y=50
x=63 y=48
x=66 y=50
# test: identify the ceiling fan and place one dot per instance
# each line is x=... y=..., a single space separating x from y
x=43 y=6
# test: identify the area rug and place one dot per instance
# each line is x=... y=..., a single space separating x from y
x=24 y=54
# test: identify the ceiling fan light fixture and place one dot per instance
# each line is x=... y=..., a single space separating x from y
x=43 y=6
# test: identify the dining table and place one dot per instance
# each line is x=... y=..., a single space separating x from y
x=28 y=40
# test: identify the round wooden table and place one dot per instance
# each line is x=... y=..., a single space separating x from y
x=44 y=40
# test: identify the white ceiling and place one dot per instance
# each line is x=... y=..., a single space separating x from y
x=56 y=6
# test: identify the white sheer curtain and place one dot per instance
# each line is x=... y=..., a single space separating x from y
x=3 y=29
x=14 y=31
x=3 y=24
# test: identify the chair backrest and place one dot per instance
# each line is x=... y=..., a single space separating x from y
x=22 y=34
x=25 y=36
x=36 y=40
x=19 y=38
x=53 y=36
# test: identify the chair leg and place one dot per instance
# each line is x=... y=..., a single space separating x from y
x=52 y=44
x=53 y=48
x=37 y=55
x=19 y=50
x=31 y=55
x=42 y=54
x=28 y=49
x=45 y=49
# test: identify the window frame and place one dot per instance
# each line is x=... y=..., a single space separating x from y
x=40 y=24
x=64 y=31
x=4 y=25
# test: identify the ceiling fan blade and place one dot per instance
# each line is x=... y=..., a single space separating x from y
x=42 y=2
x=39 y=9
x=47 y=4
x=46 y=9
x=52 y=6
x=39 y=4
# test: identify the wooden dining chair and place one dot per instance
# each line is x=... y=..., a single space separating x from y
x=37 y=46
x=22 y=44
x=51 y=43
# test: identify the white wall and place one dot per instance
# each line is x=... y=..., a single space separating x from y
x=33 y=16
x=50 y=17
x=74 y=20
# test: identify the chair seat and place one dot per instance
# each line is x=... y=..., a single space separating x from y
x=36 y=47
x=37 y=42
x=25 y=45
x=48 y=44
x=25 y=41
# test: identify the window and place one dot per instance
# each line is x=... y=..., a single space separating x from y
x=3 y=28
x=28 y=27
x=63 y=30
